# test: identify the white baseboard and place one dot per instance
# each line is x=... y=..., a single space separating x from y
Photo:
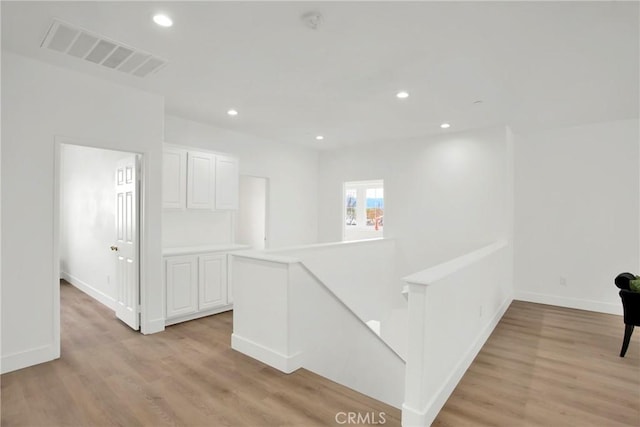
x=580 y=304
x=24 y=359
x=281 y=362
x=152 y=326
x=99 y=296
x=412 y=417
x=197 y=315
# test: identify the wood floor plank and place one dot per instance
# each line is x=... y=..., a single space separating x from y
x=550 y=366
x=542 y=366
x=186 y=376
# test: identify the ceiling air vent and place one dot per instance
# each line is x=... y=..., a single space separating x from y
x=80 y=43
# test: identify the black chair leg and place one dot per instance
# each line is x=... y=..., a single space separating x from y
x=628 y=330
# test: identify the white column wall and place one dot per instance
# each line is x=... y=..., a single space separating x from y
x=42 y=104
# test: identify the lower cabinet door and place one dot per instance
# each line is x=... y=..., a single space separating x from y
x=182 y=285
x=212 y=281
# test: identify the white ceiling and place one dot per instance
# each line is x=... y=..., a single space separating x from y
x=533 y=64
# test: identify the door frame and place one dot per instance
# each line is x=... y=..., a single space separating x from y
x=59 y=141
x=267 y=210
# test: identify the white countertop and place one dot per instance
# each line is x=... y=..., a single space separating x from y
x=187 y=250
x=266 y=256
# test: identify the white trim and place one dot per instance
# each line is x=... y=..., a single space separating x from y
x=281 y=362
x=577 y=303
x=146 y=326
x=267 y=216
x=204 y=249
x=141 y=192
x=24 y=359
x=437 y=272
x=194 y=148
x=57 y=166
x=260 y=256
x=414 y=417
x=197 y=315
x=358 y=185
x=1 y=220
x=152 y=326
x=315 y=246
x=94 y=293
x=342 y=212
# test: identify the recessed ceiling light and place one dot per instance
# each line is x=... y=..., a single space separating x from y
x=312 y=20
x=402 y=95
x=232 y=112
x=445 y=125
x=162 y=20
x=319 y=137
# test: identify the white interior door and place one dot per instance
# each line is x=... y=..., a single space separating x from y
x=126 y=243
x=251 y=220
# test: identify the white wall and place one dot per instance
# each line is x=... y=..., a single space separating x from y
x=87 y=218
x=335 y=344
x=251 y=216
x=577 y=214
x=362 y=275
x=444 y=195
x=357 y=272
x=192 y=227
x=292 y=173
x=42 y=103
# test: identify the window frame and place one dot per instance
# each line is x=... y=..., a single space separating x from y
x=360 y=186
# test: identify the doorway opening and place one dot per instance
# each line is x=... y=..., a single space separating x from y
x=98 y=193
x=252 y=216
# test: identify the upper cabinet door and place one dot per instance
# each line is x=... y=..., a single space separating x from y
x=174 y=178
x=227 y=179
x=200 y=180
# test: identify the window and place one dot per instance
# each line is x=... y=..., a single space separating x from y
x=352 y=204
x=363 y=210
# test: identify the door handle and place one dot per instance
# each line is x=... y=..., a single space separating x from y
x=114 y=248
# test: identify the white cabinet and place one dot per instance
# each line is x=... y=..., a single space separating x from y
x=181 y=279
x=196 y=179
x=200 y=180
x=212 y=281
x=196 y=286
x=227 y=182
x=174 y=178
x=229 y=281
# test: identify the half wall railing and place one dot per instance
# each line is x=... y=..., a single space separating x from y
x=287 y=317
x=453 y=308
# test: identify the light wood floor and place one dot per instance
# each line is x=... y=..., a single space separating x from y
x=542 y=366
x=185 y=376
x=550 y=366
